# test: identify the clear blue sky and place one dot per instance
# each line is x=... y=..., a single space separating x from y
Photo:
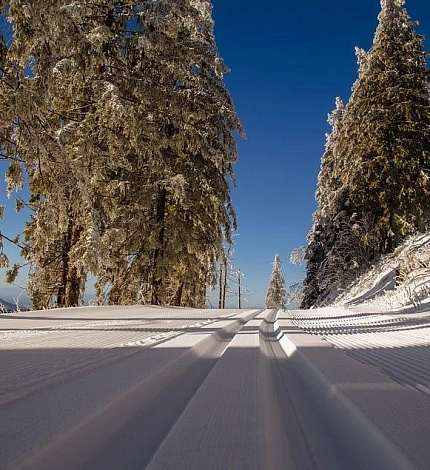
x=289 y=60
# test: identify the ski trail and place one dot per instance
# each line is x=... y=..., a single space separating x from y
x=212 y=389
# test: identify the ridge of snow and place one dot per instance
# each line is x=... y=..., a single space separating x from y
x=398 y=280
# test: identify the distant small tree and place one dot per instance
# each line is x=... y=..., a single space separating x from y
x=277 y=293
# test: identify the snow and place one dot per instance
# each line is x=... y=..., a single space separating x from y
x=63 y=345
x=397 y=343
x=152 y=387
x=58 y=408
x=399 y=280
x=358 y=404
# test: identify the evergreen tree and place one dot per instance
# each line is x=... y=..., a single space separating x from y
x=189 y=157
x=64 y=52
x=277 y=293
x=385 y=139
x=125 y=130
x=383 y=147
x=329 y=184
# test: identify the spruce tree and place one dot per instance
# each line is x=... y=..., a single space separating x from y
x=125 y=130
x=384 y=155
x=74 y=132
x=329 y=183
x=277 y=293
x=63 y=51
x=385 y=139
x=187 y=157
x=200 y=215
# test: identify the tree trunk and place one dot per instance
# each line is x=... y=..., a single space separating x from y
x=204 y=286
x=221 y=281
x=73 y=291
x=67 y=240
x=69 y=292
x=224 y=287
x=239 y=292
x=157 y=267
x=178 y=295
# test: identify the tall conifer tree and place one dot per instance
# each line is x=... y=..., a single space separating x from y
x=126 y=131
x=65 y=53
x=383 y=148
x=189 y=158
x=325 y=225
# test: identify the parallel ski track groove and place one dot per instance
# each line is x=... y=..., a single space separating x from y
x=286 y=389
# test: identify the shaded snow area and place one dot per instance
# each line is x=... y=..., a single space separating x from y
x=66 y=341
x=397 y=280
x=397 y=343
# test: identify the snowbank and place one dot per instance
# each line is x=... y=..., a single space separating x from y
x=396 y=281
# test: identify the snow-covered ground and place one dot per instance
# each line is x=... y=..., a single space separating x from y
x=382 y=321
x=148 y=387
x=346 y=386
x=63 y=342
x=71 y=380
x=396 y=342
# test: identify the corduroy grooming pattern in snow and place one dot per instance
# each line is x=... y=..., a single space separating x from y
x=396 y=343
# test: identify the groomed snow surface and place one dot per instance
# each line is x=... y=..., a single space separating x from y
x=170 y=388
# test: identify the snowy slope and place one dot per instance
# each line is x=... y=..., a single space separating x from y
x=383 y=319
x=398 y=280
x=396 y=342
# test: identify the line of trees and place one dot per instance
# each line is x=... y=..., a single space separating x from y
x=116 y=114
x=374 y=183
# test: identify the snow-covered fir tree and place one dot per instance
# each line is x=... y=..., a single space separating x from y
x=189 y=159
x=325 y=223
x=383 y=150
x=64 y=51
x=277 y=292
x=125 y=130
